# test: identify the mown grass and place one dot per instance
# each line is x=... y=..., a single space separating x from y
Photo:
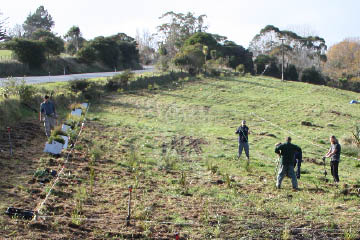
x=210 y=110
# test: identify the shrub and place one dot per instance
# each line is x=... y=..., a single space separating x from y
x=291 y=73
x=312 y=75
x=240 y=68
x=16 y=87
x=78 y=85
x=26 y=93
x=119 y=81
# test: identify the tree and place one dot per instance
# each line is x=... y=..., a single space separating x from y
x=237 y=55
x=17 y=31
x=343 y=59
x=74 y=39
x=190 y=58
x=87 y=53
x=312 y=75
x=180 y=27
x=291 y=73
x=41 y=19
x=264 y=61
x=106 y=50
x=53 y=45
x=303 y=52
x=117 y=51
x=2 y=29
x=28 y=51
x=146 y=45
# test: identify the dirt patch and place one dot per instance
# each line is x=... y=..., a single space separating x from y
x=313 y=160
x=309 y=124
x=185 y=145
x=267 y=134
x=340 y=113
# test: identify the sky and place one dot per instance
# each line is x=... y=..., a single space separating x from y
x=239 y=20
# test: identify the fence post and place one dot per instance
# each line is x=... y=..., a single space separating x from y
x=129 y=207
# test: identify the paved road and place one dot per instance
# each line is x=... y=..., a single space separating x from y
x=64 y=78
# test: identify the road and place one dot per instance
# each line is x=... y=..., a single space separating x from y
x=64 y=78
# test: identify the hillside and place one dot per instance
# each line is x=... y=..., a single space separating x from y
x=176 y=146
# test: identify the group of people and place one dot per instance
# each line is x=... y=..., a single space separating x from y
x=290 y=156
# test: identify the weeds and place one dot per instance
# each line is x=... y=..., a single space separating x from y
x=80 y=196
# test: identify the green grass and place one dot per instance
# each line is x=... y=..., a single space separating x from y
x=177 y=147
x=5 y=53
x=211 y=110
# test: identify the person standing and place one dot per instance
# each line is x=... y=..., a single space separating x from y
x=334 y=154
x=48 y=115
x=286 y=152
x=243 y=132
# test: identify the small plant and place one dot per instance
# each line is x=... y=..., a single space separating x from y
x=76 y=218
x=228 y=180
x=57 y=138
x=80 y=196
x=92 y=178
x=74 y=106
x=95 y=155
x=78 y=85
x=58 y=132
x=356 y=135
x=350 y=235
x=286 y=235
x=132 y=159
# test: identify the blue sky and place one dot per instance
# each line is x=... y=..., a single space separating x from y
x=239 y=20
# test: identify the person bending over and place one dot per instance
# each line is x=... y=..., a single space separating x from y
x=286 y=151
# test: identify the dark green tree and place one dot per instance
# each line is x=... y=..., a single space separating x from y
x=106 y=50
x=312 y=75
x=237 y=55
x=190 y=58
x=2 y=29
x=53 y=45
x=179 y=28
x=28 y=51
x=87 y=53
x=291 y=73
x=41 y=19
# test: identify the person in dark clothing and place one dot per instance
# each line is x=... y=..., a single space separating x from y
x=286 y=152
x=334 y=153
x=47 y=115
x=297 y=164
x=243 y=132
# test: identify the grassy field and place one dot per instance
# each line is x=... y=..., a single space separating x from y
x=176 y=146
x=5 y=53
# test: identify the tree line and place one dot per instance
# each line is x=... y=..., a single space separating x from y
x=183 y=42
x=34 y=42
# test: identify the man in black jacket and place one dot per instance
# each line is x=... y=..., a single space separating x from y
x=243 y=132
x=286 y=152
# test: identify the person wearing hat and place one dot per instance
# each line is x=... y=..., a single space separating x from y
x=243 y=132
x=286 y=151
x=47 y=114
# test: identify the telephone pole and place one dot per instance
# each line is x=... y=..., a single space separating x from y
x=282 y=66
